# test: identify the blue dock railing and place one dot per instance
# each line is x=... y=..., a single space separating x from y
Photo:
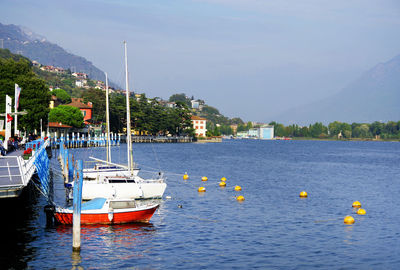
x=79 y=141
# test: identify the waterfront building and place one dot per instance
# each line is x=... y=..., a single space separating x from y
x=199 y=125
x=266 y=132
x=86 y=109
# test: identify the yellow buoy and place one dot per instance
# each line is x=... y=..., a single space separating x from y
x=357 y=204
x=201 y=189
x=240 y=198
x=303 y=194
x=238 y=188
x=222 y=184
x=223 y=179
x=361 y=211
x=348 y=220
x=185 y=176
x=204 y=178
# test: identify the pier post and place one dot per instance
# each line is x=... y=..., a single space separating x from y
x=65 y=159
x=77 y=203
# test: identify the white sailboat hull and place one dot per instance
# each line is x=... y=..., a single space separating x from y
x=144 y=190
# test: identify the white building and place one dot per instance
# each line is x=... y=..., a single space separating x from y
x=199 y=124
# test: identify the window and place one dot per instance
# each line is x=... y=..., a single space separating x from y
x=197 y=127
x=84 y=113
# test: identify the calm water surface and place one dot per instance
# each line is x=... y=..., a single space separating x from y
x=272 y=229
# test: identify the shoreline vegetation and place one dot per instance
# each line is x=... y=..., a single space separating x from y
x=150 y=116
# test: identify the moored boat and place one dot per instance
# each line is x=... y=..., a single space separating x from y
x=107 y=211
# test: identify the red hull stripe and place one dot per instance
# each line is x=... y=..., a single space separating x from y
x=126 y=217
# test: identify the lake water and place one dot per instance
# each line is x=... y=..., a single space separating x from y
x=272 y=229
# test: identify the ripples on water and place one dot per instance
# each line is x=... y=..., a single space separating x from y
x=272 y=229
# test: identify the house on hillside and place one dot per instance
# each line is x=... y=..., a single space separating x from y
x=86 y=109
x=80 y=75
x=199 y=124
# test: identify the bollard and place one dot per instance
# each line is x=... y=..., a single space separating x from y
x=77 y=203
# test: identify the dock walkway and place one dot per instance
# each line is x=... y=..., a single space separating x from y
x=15 y=172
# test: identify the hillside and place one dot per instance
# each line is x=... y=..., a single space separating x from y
x=20 y=40
x=373 y=97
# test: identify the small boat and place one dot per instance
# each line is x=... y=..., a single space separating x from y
x=107 y=211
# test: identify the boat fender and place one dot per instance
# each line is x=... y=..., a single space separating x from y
x=110 y=214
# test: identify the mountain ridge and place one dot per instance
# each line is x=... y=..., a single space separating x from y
x=374 y=96
x=21 y=40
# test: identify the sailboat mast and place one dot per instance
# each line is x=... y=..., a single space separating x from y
x=108 y=122
x=128 y=113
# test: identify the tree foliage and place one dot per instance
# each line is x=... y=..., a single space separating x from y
x=62 y=95
x=34 y=97
x=67 y=115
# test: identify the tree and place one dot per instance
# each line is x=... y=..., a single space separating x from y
x=98 y=99
x=34 y=97
x=180 y=97
x=318 y=130
x=67 y=115
x=62 y=95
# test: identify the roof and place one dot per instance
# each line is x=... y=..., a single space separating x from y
x=78 y=103
x=58 y=125
x=195 y=117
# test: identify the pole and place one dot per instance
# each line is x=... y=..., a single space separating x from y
x=128 y=115
x=108 y=122
x=77 y=203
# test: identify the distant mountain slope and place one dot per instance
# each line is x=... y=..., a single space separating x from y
x=20 y=40
x=375 y=96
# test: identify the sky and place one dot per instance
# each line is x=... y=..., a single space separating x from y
x=252 y=59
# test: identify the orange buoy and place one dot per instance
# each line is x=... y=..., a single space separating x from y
x=361 y=211
x=356 y=204
x=303 y=194
x=240 y=198
x=348 y=220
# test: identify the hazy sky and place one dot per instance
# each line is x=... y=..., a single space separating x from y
x=249 y=58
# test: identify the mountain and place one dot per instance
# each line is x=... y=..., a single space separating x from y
x=375 y=96
x=21 y=40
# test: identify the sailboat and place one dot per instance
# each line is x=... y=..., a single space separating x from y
x=124 y=184
x=106 y=167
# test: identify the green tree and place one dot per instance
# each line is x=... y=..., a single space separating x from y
x=67 y=115
x=34 y=97
x=318 y=130
x=98 y=99
x=62 y=95
x=181 y=98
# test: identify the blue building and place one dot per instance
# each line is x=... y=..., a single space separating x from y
x=266 y=132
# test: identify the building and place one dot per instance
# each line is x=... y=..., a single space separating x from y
x=86 y=109
x=80 y=75
x=199 y=124
x=266 y=132
x=195 y=104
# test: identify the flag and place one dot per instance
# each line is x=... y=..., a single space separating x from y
x=9 y=118
x=17 y=93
